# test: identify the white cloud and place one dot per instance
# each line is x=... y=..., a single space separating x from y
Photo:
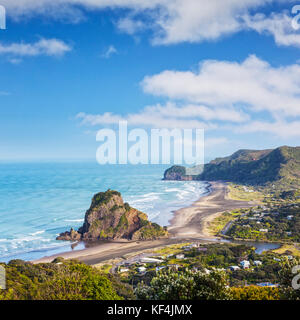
x=130 y=25
x=196 y=21
x=172 y=21
x=277 y=25
x=194 y=111
x=48 y=47
x=279 y=128
x=103 y=119
x=168 y=116
x=229 y=96
x=109 y=52
x=252 y=84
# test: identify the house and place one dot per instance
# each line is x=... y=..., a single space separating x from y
x=124 y=270
x=150 y=260
x=180 y=256
x=191 y=246
x=142 y=269
x=263 y=230
x=201 y=249
x=234 y=268
x=159 y=268
x=245 y=264
x=257 y=263
x=206 y=271
x=173 y=266
x=290 y=217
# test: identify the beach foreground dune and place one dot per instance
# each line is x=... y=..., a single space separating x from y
x=187 y=224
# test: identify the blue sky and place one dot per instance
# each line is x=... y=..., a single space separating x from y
x=68 y=68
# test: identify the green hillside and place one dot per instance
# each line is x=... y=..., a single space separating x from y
x=280 y=167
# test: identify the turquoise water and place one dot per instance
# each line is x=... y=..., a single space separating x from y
x=40 y=200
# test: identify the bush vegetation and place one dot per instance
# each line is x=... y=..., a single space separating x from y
x=62 y=280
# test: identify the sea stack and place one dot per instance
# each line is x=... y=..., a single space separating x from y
x=109 y=218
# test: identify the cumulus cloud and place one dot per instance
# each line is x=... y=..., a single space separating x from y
x=196 y=112
x=172 y=21
x=48 y=47
x=196 y=21
x=99 y=119
x=281 y=128
x=130 y=25
x=231 y=96
x=279 y=25
x=253 y=84
x=170 y=115
x=144 y=119
x=111 y=50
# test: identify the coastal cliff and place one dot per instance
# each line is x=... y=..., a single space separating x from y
x=279 y=167
x=177 y=173
x=109 y=218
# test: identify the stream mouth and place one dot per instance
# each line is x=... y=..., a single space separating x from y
x=260 y=246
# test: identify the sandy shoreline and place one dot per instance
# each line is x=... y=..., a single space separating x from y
x=193 y=221
x=188 y=224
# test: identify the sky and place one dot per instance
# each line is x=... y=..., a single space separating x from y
x=71 y=67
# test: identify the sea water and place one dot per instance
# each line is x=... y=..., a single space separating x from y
x=40 y=200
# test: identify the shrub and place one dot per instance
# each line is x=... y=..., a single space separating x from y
x=186 y=285
x=255 y=293
x=70 y=280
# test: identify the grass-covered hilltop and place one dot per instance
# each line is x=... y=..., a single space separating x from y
x=279 y=167
x=109 y=218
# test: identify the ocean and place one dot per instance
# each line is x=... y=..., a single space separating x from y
x=40 y=200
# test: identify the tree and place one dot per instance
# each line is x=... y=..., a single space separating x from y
x=186 y=285
x=65 y=280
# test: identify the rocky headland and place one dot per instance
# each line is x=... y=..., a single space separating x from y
x=109 y=218
x=274 y=168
